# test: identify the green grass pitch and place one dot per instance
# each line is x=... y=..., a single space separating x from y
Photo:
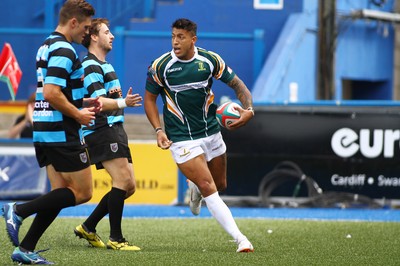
x=203 y=242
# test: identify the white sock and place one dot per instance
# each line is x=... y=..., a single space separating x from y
x=223 y=215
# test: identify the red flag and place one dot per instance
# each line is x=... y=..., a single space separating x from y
x=10 y=72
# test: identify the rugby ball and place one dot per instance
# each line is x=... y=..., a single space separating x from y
x=226 y=114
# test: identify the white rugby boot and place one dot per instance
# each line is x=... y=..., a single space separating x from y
x=245 y=246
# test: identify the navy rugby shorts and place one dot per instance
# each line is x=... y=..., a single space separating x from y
x=108 y=143
x=63 y=158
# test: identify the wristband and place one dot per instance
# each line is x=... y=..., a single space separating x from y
x=158 y=129
x=121 y=103
x=250 y=109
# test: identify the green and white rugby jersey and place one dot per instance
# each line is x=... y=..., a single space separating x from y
x=185 y=88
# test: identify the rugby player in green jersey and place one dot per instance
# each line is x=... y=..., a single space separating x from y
x=183 y=77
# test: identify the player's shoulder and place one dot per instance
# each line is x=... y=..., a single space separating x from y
x=58 y=45
x=90 y=60
x=208 y=54
x=59 y=41
x=161 y=61
x=203 y=51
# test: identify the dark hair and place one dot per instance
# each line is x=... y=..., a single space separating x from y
x=185 y=24
x=94 y=29
x=79 y=9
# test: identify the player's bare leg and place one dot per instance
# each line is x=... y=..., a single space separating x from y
x=123 y=186
x=217 y=168
x=79 y=182
x=198 y=172
x=121 y=172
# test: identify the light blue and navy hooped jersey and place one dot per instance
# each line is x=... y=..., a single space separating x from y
x=102 y=81
x=185 y=88
x=57 y=63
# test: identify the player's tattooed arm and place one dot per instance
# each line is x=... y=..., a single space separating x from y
x=242 y=92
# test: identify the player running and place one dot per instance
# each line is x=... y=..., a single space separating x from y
x=183 y=78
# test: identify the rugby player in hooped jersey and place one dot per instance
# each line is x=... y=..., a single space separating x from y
x=60 y=110
x=106 y=138
x=183 y=78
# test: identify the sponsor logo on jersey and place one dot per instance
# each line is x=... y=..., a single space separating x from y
x=115 y=93
x=42 y=104
x=174 y=69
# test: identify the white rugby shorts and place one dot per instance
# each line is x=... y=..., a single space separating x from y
x=211 y=146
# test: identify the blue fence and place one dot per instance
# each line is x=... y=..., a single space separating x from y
x=120 y=50
x=257 y=37
x=116 y=10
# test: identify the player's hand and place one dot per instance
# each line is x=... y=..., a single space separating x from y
x=93 y=102
x=86 y=116
x=133 y=100
x=162 y=140
x=245 y=116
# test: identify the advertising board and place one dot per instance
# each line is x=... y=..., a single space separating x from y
x=351 y=149
x=156 y=174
